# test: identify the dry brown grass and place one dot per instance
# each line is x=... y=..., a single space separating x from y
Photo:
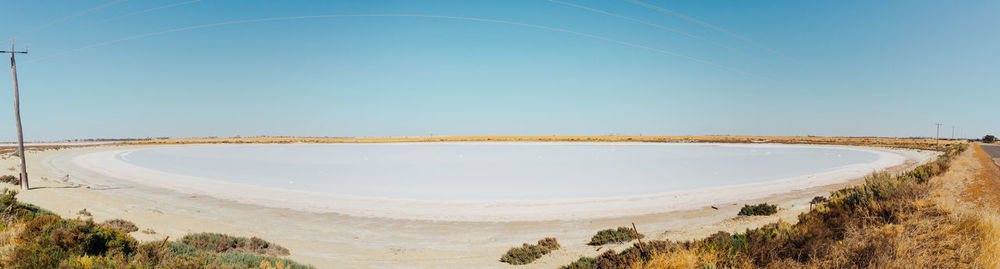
x=944 y=228
x=972 y=192
x=984 y=187
x=9 y=234
x=684 y=258
x=857 y=141
x=989 y=240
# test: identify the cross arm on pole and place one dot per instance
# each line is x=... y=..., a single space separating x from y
x=12 y=50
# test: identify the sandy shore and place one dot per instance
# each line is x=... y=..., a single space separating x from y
x=364 y=240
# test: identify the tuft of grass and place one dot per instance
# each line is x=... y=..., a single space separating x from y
x=121 y=225
x=528 y=253
x=620 y=235
x=223 y=243
x=247 y=260
x=762 y=209
x=549 y=242
x=817 y=200
x=988 y=226
x=84 y=212
x=267 y=264
x=582 y=263
x=684 y=258
x=524 y=254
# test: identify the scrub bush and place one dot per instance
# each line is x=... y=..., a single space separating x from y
x=9 y=179
x=817 y=200
x=47 y=240
x=763 y=209
x=549 y=242
x=223 y=243
x=11 y=210
x=121 y=225
x=245 y=260
x=528 y=253
x=84 y=212
x=582 y=263
x=622 y=234
x=524 y=254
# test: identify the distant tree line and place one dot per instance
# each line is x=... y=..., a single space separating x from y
x=115 y=139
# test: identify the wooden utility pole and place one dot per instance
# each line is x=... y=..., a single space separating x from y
x=17 y=115
x=937 y=136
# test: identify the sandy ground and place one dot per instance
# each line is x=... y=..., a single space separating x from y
x=338 y=241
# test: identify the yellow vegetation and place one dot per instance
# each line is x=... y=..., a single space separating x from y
x=857 y=141
x=681 y=259
x=924 y=218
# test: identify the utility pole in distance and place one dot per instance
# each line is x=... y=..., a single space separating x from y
x=937 y=136
x=17 y=115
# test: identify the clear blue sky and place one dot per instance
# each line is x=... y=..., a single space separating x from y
x=829 y=68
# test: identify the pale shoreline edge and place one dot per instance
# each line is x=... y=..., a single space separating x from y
x=105 y=163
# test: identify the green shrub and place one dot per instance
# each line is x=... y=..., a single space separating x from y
x=582 y=263
x=763 y=209
x=525 y=254
x=246 y=260
x=8 y=200
x=87 y=262
x=13 y=211
x=47 y=240
x=222 y=243
x=549 y=242
x=181 y=248
x=121 y=225
x=817 y=200
x=610 y=259
x=528 y=253
x=622 y=234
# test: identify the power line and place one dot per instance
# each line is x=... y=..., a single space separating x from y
x=528 y=25
x=661 y=27
x=713 y=27
x=77 y=14
x=144 y=11
x=127 y=15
